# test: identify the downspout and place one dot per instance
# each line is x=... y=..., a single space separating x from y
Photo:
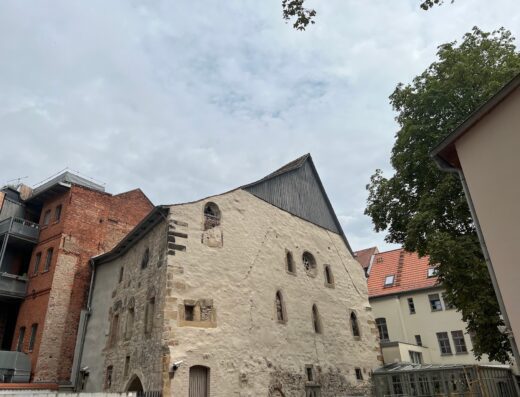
x=81 y=334
x=444 y=166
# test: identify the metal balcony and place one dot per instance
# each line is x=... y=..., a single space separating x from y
x=21 y=228
x=12 y=286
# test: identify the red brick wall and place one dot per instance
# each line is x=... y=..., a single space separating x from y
x=91 y=223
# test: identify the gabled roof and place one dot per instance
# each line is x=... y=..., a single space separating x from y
x=365 y=255
x=410 y=273
x=297 y=188
x=445 y=153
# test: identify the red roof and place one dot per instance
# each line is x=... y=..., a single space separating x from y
x=410 y=273
x=364 y=256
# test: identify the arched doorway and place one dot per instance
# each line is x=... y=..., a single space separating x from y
x=135 y=384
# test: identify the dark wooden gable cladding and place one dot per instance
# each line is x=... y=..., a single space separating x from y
x=298 y=190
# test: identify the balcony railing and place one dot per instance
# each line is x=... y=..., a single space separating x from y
x=12 y=286
x=21 y=228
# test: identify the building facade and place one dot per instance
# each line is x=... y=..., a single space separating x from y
x=48 y=240
x=415 y=322
x=483 y=151
x=251 y=292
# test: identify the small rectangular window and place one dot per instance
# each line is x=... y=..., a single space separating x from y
x=21 y=336
x=411 y=306
x=121 y=273
x=310 y=375
x=34 y=328
x=447 y=304
x=359 y=374
x=57 y=213
x=435 y=302
x=432 y=272
x=444 y=343
x=37 y=260
x=459 y=342
x=47 y=217
x=389 y=280
x=418 y=340
x=127 y=365
x=189 y=312
x=48 y=260
x=415 y=357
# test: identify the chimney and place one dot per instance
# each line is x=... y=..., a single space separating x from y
x=24 y=190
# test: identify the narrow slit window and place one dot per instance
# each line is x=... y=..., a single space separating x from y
x=329 y=278
x=48 y=260
x=37 y=260
x=290 y=262
x=411 y=306
x=354 y=325
x=359 y=374
x=189 y=312
x=21 y=336
x=280 y=309
x=34 y=329
x=316 y=320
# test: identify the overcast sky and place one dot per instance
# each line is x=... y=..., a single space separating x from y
x=186 y=99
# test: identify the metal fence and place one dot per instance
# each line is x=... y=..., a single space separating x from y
x=403 y=380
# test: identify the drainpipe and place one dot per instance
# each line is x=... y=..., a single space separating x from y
x=444 y=166
x=81 y=333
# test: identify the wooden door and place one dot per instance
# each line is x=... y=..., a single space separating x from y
x=199 y=381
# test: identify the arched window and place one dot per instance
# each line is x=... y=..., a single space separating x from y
x=354 y=325
x=382 y=328
x=211 y=216
x=145 y=259
x=281 y=315
x=289 y=262
x=316 y=320
x=309 y=263
x=329 y=278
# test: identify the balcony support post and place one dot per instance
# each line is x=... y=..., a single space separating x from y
x=2 y=250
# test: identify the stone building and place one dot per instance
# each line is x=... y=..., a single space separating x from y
x=253 y=292
x=47 y=237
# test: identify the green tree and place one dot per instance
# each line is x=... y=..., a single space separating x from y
x=425 y=209
x=295 y=9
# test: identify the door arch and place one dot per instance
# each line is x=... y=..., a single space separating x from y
x=135 y=384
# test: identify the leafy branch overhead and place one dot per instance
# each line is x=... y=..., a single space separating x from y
x=425 y=209
x=295 y=9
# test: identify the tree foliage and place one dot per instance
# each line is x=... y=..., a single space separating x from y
x=425 y=209
x=303 y=16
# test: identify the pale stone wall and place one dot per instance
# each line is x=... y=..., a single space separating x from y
x=403 y=326
x=239 y=266
x=112 y=297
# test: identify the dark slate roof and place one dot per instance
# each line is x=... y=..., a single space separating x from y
x=296 y=188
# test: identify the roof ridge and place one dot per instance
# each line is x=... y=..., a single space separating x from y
x=290 y=166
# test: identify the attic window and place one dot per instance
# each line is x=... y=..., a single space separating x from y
x=432 y=272
x=379 y=260
x=211 y=216
x=389 y=280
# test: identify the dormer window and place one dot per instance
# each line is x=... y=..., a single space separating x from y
x=211 y=216
x=389 y=280
x=432 y=272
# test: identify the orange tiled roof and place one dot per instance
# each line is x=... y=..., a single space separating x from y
x=410 y=272
x=363 y=256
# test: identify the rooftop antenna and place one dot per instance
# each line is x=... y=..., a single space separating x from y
x=17 y=180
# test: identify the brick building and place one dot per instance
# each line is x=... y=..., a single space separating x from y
x=253 y=292
x=48 y=236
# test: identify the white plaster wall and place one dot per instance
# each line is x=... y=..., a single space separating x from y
x=403 y=326
x=249 y=350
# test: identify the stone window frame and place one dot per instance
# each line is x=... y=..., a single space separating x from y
x=130 y=319
x=212 y=216
x=109 y=373
x=354 y=325
x=317 y=324
x=279 y=297
x=309 y=264
x=289 y=263
x=329 y=276
x=359 y=374
x=198 y=306
x=149 y=313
